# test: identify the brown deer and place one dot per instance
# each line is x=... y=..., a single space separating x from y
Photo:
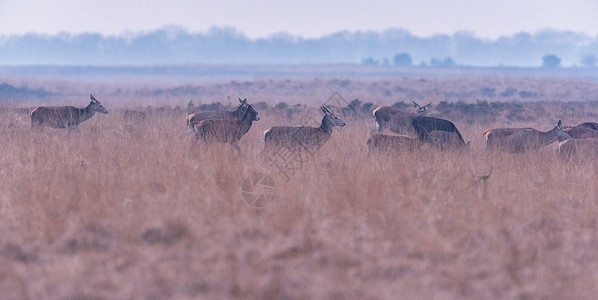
x=380 y=143
x=225 y=131
x=301 y=138
x=581 y=132
x=445 y=140
x=578 y=148
x=237 y=114
x=65 y=116
x=396 y=120
x=518 y=140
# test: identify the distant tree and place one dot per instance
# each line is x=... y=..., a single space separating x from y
x=446 y=63
x=370 y=61
x=551 y=61
x=402 y=59
x=385 y=62
x=589 y=61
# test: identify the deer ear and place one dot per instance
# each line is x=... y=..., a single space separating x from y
x=559 y=124
x=429 y=104
x=92 y=98
x=325 y=110
x=415 y=104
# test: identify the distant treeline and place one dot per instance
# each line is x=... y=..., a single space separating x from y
x=173 y=45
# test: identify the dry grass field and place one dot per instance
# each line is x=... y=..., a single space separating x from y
x=122 y=209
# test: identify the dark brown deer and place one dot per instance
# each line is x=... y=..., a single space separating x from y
x=396 y=120
x=383 y=143
x=65 y=116
x=301 y=138
x=519 y=140
x=218 y=115
x=581 y=132
x=445 y=140
x=225 y=131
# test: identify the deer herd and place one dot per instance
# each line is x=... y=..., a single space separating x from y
x=412 y=130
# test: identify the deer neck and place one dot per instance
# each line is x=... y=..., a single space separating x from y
x=239 y=113
x=326 y=126
x=245 y=123
x=86 y=113
x=548 y=137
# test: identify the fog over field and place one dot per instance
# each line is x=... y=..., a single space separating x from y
x=226 y=45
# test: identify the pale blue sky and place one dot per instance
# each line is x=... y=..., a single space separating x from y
x=308 y=18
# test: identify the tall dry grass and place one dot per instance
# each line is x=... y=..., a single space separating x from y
x=120 y=209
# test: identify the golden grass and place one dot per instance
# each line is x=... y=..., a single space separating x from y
x=137 y=210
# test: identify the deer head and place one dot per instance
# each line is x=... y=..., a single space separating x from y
x=335 y=121
x=421 y=109
x=96 y=106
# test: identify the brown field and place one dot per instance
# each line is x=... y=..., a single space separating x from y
x=124 y=209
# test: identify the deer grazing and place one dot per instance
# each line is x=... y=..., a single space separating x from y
x=225 y=131
x=519 y=140
x=65 y=116
x=301 y=138
x=218 y=114
x=424 y=125
x=396 y=120
x=445 y=140
x=383 y=143
x=578 y=148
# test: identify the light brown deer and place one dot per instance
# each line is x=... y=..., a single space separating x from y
x=519 y=140
x=225 y=131
x=396 y=120
x=65 y=116
x=383 y=143
x=579 y=149
x=218 y=115
x=301 y=138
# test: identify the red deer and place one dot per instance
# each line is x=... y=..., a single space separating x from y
x=396 y=120
x=225 y=131
x=301 y=138
x=591 y=125
x=518 y=140
x=65 y=116
x=444 y=140
x=218 y=115
x=379 y=143
x=581 y=132
x=578 y=148
x=425 y=125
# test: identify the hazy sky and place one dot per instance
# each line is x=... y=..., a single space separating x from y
x=308 y=18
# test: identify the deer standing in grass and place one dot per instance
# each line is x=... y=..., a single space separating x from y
x=218 y=114
x=65 y=116
x=301 y=138
x=396 y=120
x=225 y=131
x=518 y=140
x=578 y=148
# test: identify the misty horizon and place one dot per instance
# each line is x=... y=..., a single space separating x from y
x=229 y=45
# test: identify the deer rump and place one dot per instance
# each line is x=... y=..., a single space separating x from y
x=423 y=125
